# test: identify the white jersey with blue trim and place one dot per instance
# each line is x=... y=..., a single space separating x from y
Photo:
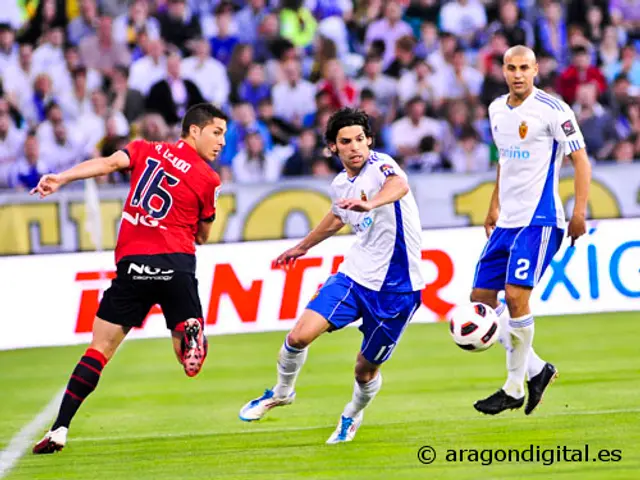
x=532 y=140
x=386 y=255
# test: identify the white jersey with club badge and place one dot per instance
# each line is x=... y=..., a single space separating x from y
x=386 y=255
x=532 y=139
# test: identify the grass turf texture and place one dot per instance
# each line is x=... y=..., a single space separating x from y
x=146 y=420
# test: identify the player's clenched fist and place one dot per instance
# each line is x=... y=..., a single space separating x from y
x=47 y=185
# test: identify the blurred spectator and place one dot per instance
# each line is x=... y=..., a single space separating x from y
x=64 y=150
x=282 y=131
x=628 y=65
x=443 y=57
x=596 y=123
x=179 y=26
x=103 y=51
x=8 y=47
x=581 y=71
x=383 y=86
x=174 y=95
x=297 y=23
x=85 y=24
x=420 y=82
x=626 y=14
x=293 y=97
x=19 y=77
x=407 y=131
x=465 y=19
x=243 y=121
x=49 y=55
x=224 y=41
x=77 y=101
x=459 y=81
x=62 y=75
x=254 y=163
x=497 y=47
x=389 y=29
x=341 y=90
x=516 y=30
x=306 y=152
x=494 y=84
x=624 y=152
x=49 y=14
x=11 y=143
x=207 y=73
x=469 y=155
x=123 y=99
x=429 y=40
x=552 y=31
x=27 y=170
x=238 y=67
x=249 y=19
x=34 y=108
x=128 y=26
x=254 y=88
x=405 y=57
x=148 y=70
x=609 y=51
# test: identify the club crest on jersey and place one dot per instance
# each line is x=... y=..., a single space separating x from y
x=363 y=196
x=523 y=129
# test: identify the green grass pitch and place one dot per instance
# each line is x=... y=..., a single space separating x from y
x=147 y=420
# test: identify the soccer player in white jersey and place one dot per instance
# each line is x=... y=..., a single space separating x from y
x=379 y=280
x=525 y=224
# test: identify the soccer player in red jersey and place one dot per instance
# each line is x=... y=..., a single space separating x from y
x=170 y=207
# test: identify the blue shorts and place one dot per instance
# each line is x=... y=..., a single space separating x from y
x=385 y=315
x=517 y=256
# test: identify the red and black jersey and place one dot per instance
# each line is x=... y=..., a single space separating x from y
x=172 y=189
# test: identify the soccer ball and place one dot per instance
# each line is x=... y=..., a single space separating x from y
x=474 y=327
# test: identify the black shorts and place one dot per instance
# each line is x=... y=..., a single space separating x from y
x=138 y=287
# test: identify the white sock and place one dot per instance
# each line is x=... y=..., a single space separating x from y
x=290 y=361
x=534 y=363
x=363 y=394
x=522 y=330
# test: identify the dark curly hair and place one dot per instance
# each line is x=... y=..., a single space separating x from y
x=346 y=117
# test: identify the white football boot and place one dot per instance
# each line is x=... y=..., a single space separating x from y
x=53 y=441
x=257 y=408
x=346 y=429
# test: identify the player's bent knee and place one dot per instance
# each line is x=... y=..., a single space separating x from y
x=482 y=295
x=297 y=340
x=517 y=299
x=365 y=370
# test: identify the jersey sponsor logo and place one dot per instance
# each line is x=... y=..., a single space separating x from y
x=145 y=272
x=363 y=196
x=568 y=128
x=362 y=226
x=515 y=153
x=523 y=129
x=387 y=170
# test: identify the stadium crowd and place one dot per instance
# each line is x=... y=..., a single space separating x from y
x=81 y=78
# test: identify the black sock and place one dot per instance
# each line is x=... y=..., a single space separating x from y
x=83 y=381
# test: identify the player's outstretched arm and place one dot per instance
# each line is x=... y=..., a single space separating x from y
x=582 y=182
x=394 y=188
x=95 y=167
x=327 y=227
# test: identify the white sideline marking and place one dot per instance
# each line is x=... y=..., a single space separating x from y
x=318 y=427
x=21 y=442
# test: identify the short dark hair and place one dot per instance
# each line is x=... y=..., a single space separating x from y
x=346 y=117
x=201 y=115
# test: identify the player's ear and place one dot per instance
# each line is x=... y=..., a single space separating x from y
x=333 y=148
x=194 y=130
x=369 y=140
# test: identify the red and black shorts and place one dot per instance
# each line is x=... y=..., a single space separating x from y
x=139 y=286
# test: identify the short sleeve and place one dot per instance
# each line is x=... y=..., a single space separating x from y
x=135 y=151
x=338 y=212
x=566 y=130
x=209 y=201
